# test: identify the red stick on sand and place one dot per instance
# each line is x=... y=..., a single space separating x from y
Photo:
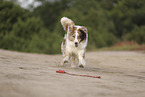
x=62 y=71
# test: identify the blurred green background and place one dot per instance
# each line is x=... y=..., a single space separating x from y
x=36 y=28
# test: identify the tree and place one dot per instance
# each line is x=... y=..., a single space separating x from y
x=137 y=34
x=49 y=12
x=9 y=15
x=126 y=14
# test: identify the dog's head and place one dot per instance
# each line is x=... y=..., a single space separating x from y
x=76 y=34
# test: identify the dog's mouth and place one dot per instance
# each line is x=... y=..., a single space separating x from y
x=76 y=44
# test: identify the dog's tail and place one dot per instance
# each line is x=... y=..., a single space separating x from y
x=66 y=22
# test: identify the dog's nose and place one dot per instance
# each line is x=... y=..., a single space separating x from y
x=76 y=44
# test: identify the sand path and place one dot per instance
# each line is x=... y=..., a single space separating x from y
x=34 y=75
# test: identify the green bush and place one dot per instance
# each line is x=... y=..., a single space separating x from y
x=45 y=42
x=21 y=34
x=9 y=15
x=138 y=35
x=30 y=36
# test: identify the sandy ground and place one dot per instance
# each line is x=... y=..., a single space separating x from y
x=34 y=75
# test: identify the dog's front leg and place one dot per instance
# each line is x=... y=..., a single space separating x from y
x=82 y=62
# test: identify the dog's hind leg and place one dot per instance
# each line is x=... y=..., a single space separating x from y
x=73 y=62
x=65 y=60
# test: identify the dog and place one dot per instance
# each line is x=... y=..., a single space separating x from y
x=74 y=43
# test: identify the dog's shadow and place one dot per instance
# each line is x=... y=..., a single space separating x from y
x=89 y=69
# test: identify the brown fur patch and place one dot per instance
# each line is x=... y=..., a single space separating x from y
x=64 y=41
x=71 y=34
x=82 y=35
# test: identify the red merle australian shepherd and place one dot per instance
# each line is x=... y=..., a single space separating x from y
x=74 y=43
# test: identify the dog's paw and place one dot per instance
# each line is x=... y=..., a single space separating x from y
x=81 y=66
x=65 y=61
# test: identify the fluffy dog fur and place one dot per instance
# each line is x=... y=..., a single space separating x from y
x=74 y=42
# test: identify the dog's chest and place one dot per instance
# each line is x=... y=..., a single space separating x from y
x=70 y=47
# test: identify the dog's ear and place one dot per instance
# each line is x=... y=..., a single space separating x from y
x=84 y=29
x=83 y=33
x=67 y=23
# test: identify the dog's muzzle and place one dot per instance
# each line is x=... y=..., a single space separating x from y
x=76 y=44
